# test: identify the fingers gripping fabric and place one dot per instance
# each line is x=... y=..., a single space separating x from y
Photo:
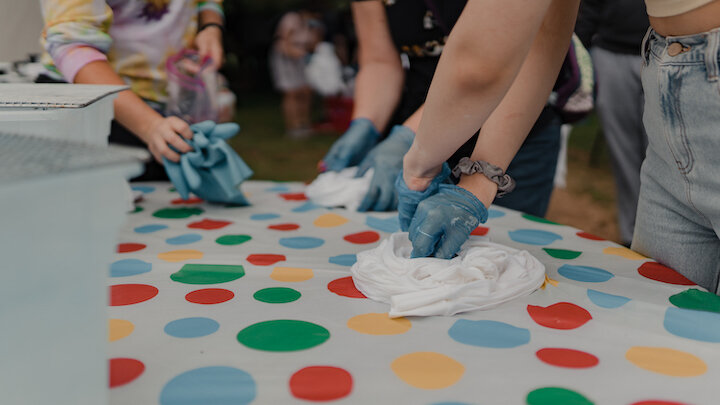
x=339 y=189
x=482 y=276
x=212 y=170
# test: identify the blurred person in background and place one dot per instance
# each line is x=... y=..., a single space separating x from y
x=613 y=30
x=296 y=36
x=128 y=43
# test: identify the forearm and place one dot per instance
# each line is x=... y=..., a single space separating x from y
x=413 y=122
x=478 y=65
x=130 y=110
x=506 y=128
x=378 y=88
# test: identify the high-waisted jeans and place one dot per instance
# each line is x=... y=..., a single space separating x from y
x=678 y=217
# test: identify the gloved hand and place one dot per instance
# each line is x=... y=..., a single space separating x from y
x=408 y=200
x=352 y=146
x=443 y=222
x=386 y=159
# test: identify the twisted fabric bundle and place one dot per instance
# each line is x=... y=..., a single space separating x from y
x=482 y=275
x=212 y=170
x=340 y=189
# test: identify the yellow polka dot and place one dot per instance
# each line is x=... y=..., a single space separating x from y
x=330 y=221
x=291 y=274
x=623 y=252
x=180 y=255
x=378 y=324
x=119 y=328
x=666 y=361
x=428 y=370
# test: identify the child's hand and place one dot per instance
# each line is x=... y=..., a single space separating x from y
x=164 y=132
x=209 y=43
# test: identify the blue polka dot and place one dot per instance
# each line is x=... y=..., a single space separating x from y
x=493 y=334
x=129 y=267
x=307 y=206
x=224 y=385
x=606 y=300
x=585 y=273
x=343 y=260
x=534 y=236
x=302 y=242
x=388 y=225
x=191 y=327
x=144 y=189
x=277 y=189
x=263 y=217
x=495 y=214
x=691 y=324
x=150 y=228
x=184 y=239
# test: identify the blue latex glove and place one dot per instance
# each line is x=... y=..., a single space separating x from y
x=408 y=200
x=386 y=159
x=212 y=170
x=443 y=222
x=352 y=146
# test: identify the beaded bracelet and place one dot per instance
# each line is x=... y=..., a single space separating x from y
x=504 y=182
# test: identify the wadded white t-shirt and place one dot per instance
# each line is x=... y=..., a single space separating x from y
x=482 y=275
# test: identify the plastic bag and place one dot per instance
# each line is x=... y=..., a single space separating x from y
x=192 y=87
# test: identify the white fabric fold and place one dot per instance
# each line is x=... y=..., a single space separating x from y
x=482 y=275
x=339 y=189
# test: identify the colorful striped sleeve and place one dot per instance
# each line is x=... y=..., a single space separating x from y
x=76 y=33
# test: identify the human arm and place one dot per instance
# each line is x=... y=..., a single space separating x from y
x=503 y=130
x=378 y=86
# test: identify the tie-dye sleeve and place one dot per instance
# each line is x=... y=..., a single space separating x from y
x=211 y=5
x=76 y=33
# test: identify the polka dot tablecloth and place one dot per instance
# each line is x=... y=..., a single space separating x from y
x=234 y=305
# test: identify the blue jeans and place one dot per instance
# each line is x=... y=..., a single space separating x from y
x=533 y=169
x=678 y=217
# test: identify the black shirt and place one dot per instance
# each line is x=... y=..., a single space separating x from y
x=614 y=25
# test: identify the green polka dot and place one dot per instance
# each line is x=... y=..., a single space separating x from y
x=555 y=396
x=283 y=335
x=277 y=295
x=696 y=299
x=562 y=253
x=172 y=189
x=207 y=273
x=233 y=239
x=137 y=209
x=176 y=213
x=538 y=219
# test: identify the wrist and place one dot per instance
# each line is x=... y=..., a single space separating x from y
x=480 y=186
x=149 y=123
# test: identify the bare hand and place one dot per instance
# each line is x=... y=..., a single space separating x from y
x=209 y=43
x=164 y=131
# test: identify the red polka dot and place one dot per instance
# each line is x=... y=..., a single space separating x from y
x=658 y=402
x=321 y=383
x=363 y=237
x=658 y=272
x=123 y=371
x=265 y=259
x=128 y=294
x=480 y=231
x=130 y=247
x=209 y=224
x=590 y=236
x=284 y=227
x=562 y=315
x=209 y=296
x=189 y=201
x=345 y=287
x=567 y=358
x=294 y=196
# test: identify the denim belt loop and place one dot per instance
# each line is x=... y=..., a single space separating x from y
x=711 y=55
x=645 y=47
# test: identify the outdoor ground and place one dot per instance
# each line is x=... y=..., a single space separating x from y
x=587 y=203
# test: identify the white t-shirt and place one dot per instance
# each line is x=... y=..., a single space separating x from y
x=669 y=8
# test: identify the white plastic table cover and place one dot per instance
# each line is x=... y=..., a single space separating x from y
x=232 y=305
